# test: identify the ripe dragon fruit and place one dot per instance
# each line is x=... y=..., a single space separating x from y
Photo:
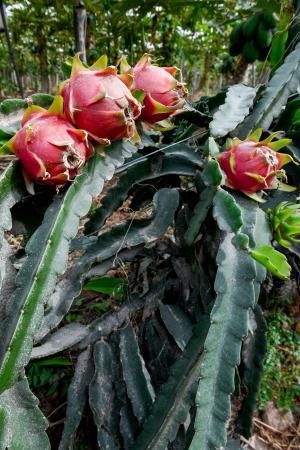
x=50 y=149
x=163 y=94
x=98 y=100
x=285 y=221
x=251 y=166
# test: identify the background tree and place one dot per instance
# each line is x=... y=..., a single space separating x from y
x=192 y=34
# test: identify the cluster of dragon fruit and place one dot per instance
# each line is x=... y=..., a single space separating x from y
x=97 y=105
x=101 y=104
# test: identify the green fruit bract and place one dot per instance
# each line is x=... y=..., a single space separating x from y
x=250 y=26
x=250 y=52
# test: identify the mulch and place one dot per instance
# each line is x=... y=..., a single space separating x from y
x=266 y=437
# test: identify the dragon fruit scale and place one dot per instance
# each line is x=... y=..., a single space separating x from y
x=164 y=96
x=50 y=149
x=99 y=101
x=251 y=166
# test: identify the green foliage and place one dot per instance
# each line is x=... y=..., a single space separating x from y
x=102 y=396
x=136 y=376
x=177 y=323
x=51 y=374
x=63 y=338
x=212 y=174
x=264 y=36
x=106 y=246
x=279 y=41
x=21 y=422
x=250 y=26
x=213 y=147
x=250 y=52
x=227 y=212
x=253 y=355
x=253 y=37
x=241 y=241
x=199 y=214
x=273 y=260
x=180 y=160
x=282 y=84
x=177 y=31
x=48 y=248
x=99 y=308
x=229 y=319
x=12 y=105
x=180 y=260
x=170 y=410
x=12 y=112
x=269 y=19
x=285 y=222
x=239 y=100
x=76 y=398
x=236 y=40
x=106 y=285
x=279 y=381
x=235 y=287
x=10 y=189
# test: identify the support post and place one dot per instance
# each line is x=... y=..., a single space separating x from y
x=10 y=49
x=80 y=23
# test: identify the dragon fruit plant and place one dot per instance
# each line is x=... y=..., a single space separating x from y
x=159 y=368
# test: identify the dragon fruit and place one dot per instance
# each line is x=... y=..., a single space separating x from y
x=99 y=101
x=285 y=221
x=49 y=148
x=251 y=166
x=163 y=94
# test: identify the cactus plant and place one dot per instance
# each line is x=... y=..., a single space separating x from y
x=167 y=353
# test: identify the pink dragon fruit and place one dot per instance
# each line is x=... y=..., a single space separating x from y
x=50 y=149
x=99 y=101
x=251 y=166
x=163 y=94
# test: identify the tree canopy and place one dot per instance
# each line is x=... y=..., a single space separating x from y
x=192 y=34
